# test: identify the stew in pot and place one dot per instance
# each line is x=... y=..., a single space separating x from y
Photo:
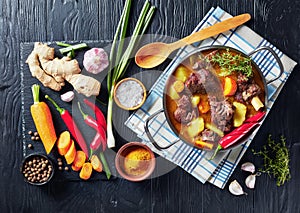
x=210 y=94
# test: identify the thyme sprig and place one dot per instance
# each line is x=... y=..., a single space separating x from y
x=229 y=63
x=276 y=160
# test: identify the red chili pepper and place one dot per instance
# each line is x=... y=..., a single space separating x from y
x=256 y=118
x=238 y=133
x=102 y=132
x=89 y=120
x=100 y=137
x=99 y=115
x=100 y=118
x=71 y=125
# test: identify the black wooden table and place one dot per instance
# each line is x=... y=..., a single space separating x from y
x=53 y=20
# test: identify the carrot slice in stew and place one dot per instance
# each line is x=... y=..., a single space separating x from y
x=230 y=86
x=204 y=144
x=203 y=106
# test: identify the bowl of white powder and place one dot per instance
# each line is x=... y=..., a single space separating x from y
x=130 y=94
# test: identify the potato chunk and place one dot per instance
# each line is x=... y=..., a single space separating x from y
x=195 y=127
x=182 y=73
x=239 y=114
x=172 y=93
x=195 y=100
x=256 y=103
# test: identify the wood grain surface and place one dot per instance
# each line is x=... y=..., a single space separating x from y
x=176 y=191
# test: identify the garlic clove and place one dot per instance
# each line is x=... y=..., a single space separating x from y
x=67 y=97
x=248 y=167
x=250 y=181
x=236 y=189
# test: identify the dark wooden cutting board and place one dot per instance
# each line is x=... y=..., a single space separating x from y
x=27 y=100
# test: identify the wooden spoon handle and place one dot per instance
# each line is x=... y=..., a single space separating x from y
x=212 y=30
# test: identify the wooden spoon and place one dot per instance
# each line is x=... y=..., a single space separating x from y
x=151 y=55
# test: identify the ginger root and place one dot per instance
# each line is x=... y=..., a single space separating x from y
x=38 y=72
x=52 y=72
x=84 y=84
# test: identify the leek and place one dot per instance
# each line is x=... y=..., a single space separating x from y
x=122 y=58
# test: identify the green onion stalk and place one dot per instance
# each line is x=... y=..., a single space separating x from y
x=70 y=49
x=122 y=57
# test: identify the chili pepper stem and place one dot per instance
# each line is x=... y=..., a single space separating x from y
x=83 y=114
x=59 y=109
x=35 y=93
x=91 y=153
x=219 y=147
x=105 y=165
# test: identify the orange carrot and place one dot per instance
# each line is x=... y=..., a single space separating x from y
x=203 y=106
x=86 y=171
x=79 y=160
x=64 y=142
x=42 y=119
x=96 y=163
x=204 y=144
x=71 y=153
x=230 y=86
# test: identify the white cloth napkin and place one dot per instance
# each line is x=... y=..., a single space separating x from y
x=193 y=160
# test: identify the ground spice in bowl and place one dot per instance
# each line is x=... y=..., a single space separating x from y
x=135 y=161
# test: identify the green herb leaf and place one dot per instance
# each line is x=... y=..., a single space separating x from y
x=232 y=63
x=276 y=160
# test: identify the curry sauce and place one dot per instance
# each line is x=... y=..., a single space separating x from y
x=213 y=95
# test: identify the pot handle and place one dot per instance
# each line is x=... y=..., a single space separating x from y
x=146 y=126
x=281 y=69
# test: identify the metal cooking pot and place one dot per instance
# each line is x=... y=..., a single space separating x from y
x=199 y=50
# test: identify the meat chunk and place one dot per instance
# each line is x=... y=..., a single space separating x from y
x=184 y=116
x=242 y=82
x=195 y=83
x=184 y=102
x=201 y=64
x=247 y=88
x=251 y=91
x=184 y=112
x=221 y=113
x=239 y=97
x=204 y=61
x=209 y=135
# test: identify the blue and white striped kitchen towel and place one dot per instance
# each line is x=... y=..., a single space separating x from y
x=193 y=160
